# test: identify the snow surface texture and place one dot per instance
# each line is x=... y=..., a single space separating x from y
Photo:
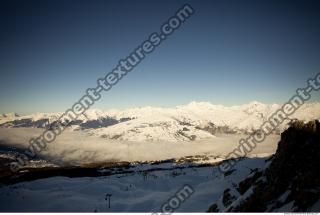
x=195 y=121
x=130 y=192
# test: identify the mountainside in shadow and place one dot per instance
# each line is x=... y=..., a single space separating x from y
x=290 y=182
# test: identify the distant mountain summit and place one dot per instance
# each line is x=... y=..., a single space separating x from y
x=9 y=115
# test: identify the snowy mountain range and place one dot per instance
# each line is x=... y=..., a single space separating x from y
x=194 y=121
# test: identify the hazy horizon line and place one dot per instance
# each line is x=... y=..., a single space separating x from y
x=167 y=106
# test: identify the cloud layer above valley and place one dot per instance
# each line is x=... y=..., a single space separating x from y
x=78 y=147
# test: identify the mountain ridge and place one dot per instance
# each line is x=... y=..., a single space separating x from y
x=194 y=121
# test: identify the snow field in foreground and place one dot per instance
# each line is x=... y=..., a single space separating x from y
x=130 y=192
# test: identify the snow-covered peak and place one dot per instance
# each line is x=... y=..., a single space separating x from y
x=196 y=120
x=9 y=115
x=256 y=104
x=94 y=114
x=195 y=104
x=255 y=107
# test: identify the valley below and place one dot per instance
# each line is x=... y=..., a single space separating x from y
x=135 y=160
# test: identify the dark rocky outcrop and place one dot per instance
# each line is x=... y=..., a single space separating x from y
x=293 y=175
x=41 y=123
x=214 y=129
x=45 y=123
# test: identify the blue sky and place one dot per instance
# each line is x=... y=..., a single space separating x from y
x=230 y=52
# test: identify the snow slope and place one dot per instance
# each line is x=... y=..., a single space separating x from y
x=130 y=192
